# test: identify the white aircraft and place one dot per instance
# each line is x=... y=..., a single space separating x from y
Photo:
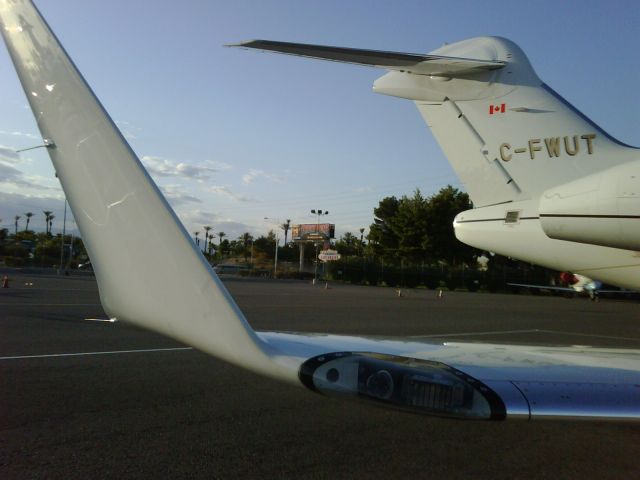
x=548 y=185
x=116 y=205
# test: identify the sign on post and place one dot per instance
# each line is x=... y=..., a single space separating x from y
x=329 y=255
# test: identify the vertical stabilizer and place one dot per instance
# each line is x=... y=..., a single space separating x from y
x=507 y=135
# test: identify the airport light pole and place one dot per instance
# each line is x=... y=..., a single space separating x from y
x=319 y=213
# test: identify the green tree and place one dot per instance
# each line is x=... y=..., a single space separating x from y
x=383 y=240
x=265 y=245
x=348 y=245
x=286 y=226
x=28 y=215
x=410 y=226
x=399 y=230
x=223 y=247
x=47 y=215
x=442 y=209
x=420 y=229
x=221 y=235
x=246 y=243
x=206 y=238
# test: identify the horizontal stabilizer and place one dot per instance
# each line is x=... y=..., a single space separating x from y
x=408 y=62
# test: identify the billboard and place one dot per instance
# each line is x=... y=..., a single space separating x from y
x=313 y=231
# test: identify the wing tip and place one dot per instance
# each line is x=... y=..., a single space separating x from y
x=241 y=44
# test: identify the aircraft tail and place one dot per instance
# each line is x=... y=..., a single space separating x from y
x=507 y=135
x=153 y=275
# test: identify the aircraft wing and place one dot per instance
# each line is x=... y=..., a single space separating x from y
x=529 y=382
x=544 y=287
x=569 y=289
x=409 y=62
x=118 y=207
x=618 y=292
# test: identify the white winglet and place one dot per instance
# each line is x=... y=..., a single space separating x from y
x=165 y=284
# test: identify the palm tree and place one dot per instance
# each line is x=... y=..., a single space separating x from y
x=286 y=226
x=246 y=238
x=196 y=238
x=28 y=215
x=221 y=235
x=206 y=236
x=51 y=217
x=47 y=214
x=17 y=218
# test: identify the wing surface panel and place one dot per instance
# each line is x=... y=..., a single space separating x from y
x=553 y=382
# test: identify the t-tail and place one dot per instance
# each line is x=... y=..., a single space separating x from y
x=506 y=133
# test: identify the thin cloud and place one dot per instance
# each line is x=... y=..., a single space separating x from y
x=255 y=173
x=127 y=129
x=176 y=195
x=194 y=221
x=12 y=177
x=225 y=191
x=31 y=136
x=165 y=168
x=9 y=155
x=7 y=172
x=198 y=217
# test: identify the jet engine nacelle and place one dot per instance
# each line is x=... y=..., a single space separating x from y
x=600 y=209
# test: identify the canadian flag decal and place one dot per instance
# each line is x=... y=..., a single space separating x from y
x=497 y=108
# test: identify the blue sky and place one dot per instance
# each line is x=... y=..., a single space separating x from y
x=234 y=136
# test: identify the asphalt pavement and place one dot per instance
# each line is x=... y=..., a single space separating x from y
x=88 y=399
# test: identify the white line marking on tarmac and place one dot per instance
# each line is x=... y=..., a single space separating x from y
x=146 y=350
x=533 y=330
x=50 y=305
x=611 y=337
x=466 y=334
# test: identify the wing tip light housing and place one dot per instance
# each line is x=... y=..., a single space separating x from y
x=419 y=386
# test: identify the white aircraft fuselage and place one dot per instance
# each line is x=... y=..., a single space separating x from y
x=549 y=186
x=525 y=239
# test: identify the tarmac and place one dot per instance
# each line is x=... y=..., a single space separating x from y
x=90 y=399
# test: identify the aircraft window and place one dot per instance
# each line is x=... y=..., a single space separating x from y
x=512 y=217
